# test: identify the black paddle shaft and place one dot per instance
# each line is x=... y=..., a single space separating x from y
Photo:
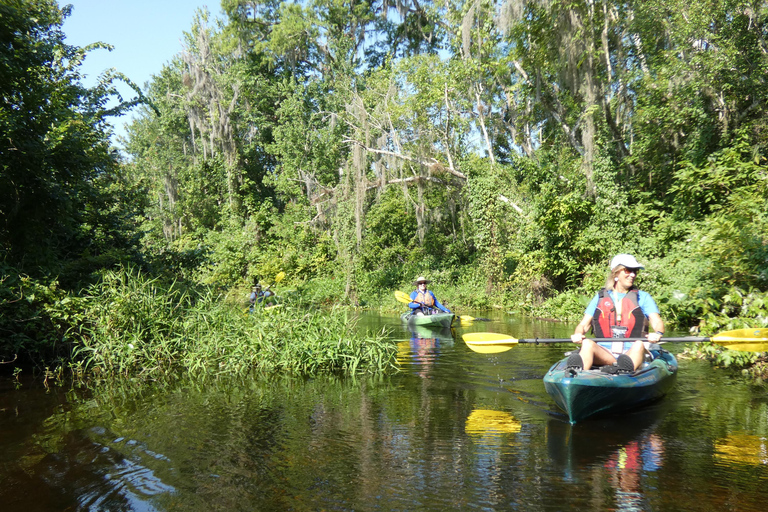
x=687 y=339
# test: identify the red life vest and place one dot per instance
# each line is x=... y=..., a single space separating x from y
x=605 y=317
x=425 y=298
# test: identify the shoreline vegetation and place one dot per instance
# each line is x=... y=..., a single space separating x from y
x=131 y=325
x=505 y=152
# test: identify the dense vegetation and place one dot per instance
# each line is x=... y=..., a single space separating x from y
x=505 y=149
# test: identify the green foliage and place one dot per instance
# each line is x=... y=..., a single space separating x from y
x=700 y=189
x=56 y=167
x=487 y=212
x=135 y=325
x=389 y=246
x=331 y=141
x=232 y=248
x=554 y=237
x=30 y=331
x=750 y=363
x=736 y=309
x=323 y=290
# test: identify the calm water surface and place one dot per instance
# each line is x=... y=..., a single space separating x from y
x=455 y=430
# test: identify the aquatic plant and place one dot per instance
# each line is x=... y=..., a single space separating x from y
x=135 y=325
x=752 y=364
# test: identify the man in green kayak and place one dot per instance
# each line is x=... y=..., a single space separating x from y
x=258 y=295
x=619 y=311
x=423 y=301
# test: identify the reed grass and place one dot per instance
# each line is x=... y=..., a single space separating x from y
x=137 y=326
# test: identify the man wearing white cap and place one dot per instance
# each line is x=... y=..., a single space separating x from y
x=423 y=301
x=619 y=311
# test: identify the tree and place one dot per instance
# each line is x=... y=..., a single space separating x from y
x=54 y=144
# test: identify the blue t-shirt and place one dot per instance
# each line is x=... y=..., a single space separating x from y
x=644 y=300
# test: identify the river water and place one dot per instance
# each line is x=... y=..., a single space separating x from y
x=454 y=430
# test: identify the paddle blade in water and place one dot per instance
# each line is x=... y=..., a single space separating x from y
x=489 y=342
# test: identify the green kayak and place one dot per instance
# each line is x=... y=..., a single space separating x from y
x=585 y=393
x=437 y=320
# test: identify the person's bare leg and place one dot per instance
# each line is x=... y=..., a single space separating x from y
x=593 y=354
x=636 y=353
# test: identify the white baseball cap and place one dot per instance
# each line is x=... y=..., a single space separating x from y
x=627 y=260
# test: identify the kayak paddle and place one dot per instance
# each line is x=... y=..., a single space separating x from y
x=746 y=340
x=402 y=297
x=279 y=277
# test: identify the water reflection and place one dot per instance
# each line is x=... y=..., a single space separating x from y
x=741 y=448
x=628 y=464
x=490 y=423
x=424 y=346
x=621 y=453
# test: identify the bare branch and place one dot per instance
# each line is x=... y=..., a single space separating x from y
x=431 y=164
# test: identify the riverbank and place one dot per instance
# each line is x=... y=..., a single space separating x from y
x=748 y=364
x=130 y=324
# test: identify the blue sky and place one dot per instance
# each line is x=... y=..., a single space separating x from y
x=145 y=33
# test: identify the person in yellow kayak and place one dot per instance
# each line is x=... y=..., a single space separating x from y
x=619 y=311
x=423 y=301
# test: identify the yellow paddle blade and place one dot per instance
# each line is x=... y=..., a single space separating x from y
x=279 y=277
x=748 y=347
x=489 y=342
x=741 y=336
x=402 y=297
x=466 y=318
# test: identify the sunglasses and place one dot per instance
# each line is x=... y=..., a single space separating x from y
x=627 y=270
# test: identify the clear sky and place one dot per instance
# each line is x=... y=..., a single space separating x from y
x=145 y=33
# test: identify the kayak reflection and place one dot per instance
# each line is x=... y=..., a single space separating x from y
x=424 y=346
x=589 y=443
x=444 y=334
x=623 y=451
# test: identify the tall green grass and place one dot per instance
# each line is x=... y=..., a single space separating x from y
x=136 y=326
